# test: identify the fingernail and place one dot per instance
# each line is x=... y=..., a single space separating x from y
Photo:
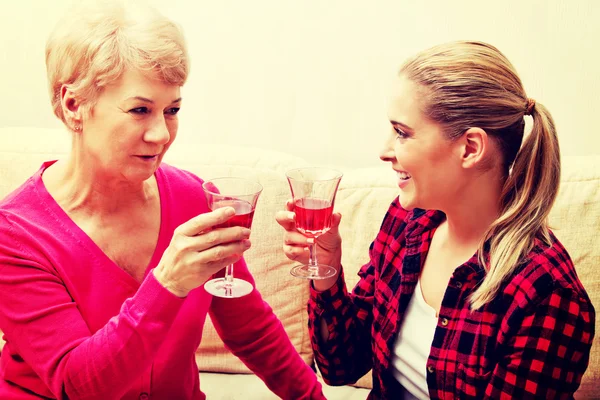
x=246 y=232
x=310 y=240
x=291 y=215
x=246 y=243
x=229 y=211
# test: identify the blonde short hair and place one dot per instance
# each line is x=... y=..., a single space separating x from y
x=98 y=40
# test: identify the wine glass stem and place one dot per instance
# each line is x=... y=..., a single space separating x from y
x=312 y=259
x=228 y=284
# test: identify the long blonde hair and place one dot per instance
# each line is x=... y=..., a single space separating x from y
x=472 y=84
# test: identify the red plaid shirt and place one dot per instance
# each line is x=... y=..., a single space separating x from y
x=532 y=341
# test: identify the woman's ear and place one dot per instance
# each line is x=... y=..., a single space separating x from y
x=71 y=108
x=474 y=147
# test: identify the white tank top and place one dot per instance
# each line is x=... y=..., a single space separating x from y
x=413 y=344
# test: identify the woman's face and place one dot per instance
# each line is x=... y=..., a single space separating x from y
x=131 y=126
x=427 y=164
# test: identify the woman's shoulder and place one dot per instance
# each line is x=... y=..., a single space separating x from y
x=22 y=204
x=23 y=195
x=547 y=271
x=19 y=228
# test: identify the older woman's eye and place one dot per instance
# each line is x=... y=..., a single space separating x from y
x=400 y=133
x=172 y=111
x=139 y=110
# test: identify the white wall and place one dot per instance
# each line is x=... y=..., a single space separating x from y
x=311 y=76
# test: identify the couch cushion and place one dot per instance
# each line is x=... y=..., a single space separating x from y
x=249 y=387
x=575 y=220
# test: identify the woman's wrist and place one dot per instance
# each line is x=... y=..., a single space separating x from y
x=322 y=285
x=164 y=282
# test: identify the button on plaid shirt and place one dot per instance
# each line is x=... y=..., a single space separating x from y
x=532 y=341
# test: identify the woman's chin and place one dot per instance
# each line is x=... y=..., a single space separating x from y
x=140 y=174
x=406 y=202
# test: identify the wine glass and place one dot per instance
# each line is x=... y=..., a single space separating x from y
x=313 y=192
x=241 y=194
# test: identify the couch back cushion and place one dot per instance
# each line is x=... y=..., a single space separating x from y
x=575 y=220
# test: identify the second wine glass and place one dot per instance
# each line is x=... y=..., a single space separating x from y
x=242 y=195
x=313 y=192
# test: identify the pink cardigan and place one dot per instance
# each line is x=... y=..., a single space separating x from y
x=77 y=326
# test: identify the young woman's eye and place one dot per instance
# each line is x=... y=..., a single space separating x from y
x=172 y=111
x=400 y=133
x=139 y=110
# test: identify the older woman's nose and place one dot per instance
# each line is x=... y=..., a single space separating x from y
x=158 y=133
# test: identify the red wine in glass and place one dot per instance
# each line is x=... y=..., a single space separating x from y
x=313 y=191
x=243 y=213
x=241 y=194
x=313 y=216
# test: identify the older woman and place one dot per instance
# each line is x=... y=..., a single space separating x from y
x=103 y=254
x=467 y=293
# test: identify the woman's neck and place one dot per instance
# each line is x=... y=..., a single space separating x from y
x=80 y=188
x=470 y=216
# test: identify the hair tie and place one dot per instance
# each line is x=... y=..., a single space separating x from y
x=529 y=107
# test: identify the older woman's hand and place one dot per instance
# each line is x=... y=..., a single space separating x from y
x=197 y=251
x=295 y=244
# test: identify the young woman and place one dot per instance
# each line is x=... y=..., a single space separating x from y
x=467 y=293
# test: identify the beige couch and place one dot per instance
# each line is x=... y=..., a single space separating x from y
x=363 y=198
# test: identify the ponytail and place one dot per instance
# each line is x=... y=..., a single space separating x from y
x=527 y=197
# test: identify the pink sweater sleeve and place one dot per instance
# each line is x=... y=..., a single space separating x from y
x=252 y=332
x=45 y=327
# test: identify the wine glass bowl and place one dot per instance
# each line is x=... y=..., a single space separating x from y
x=244 y=213
x=242 y=195
x=313 y=192
x=313 y=216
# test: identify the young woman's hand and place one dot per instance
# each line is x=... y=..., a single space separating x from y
x=295 y=244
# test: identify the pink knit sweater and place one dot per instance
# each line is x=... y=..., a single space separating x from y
x=77 y=326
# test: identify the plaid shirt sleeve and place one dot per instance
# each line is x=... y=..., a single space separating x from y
x=346 y=355
x=548 y=350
